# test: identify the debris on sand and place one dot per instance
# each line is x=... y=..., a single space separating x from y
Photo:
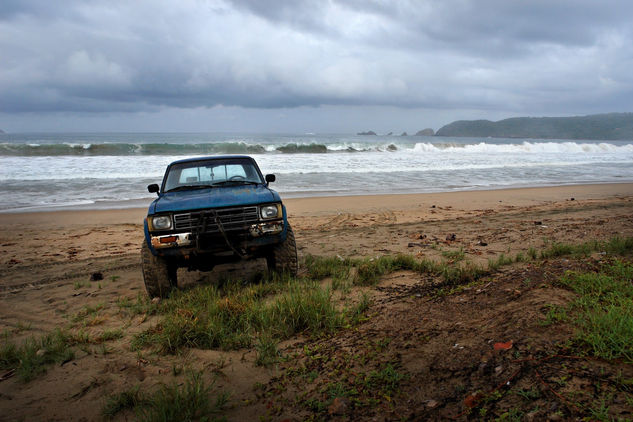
x=503 y=346
x=96 y=276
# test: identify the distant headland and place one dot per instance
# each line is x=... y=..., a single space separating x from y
x=425 y=132
x=611 y=126
x=608 y=127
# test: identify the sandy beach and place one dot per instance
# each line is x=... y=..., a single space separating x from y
x=47 y=259
x=346 y=225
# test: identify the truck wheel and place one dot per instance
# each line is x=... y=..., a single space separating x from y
x=283 y=257
x=159 y=276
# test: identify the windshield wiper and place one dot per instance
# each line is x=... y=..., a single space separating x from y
x=190 y=187
x=241 y=182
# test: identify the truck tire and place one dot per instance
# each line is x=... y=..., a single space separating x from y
x=283 y=257
x=159 y=276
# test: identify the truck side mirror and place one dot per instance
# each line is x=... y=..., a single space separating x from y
x=153 y=188
x=270 y=178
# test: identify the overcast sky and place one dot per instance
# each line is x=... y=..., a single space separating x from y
x=308 y=66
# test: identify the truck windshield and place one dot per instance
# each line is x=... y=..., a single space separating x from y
x=210 y=173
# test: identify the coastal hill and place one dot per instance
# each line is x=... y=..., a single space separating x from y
x=425 y=132
x=611 y=126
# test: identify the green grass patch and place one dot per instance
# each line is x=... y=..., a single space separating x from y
x=267 y=352
x=80 y=284
x=368 y=271
x=19 y=327
x=501 y=261
x=603 y=310
x=619 y=246
x=457 y=255
x=88 y=311
x=235 y=315
x=34 y=355
x=323 y=267
x=386 y=380
x=347 y=377
x=107 y=335
x=142 y=305
x=125 y=400
x=615 y=246
x=191 y=401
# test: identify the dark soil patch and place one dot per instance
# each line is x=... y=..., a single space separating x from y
x=481 y=351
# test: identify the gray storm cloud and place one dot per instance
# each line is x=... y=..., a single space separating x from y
x=123 y=56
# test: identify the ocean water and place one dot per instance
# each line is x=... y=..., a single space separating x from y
x=107 y=170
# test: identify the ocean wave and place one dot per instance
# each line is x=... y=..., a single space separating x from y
x=240 y=147
x=302 y=148
x=131 y=149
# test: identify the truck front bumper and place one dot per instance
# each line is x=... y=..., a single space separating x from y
x=188 y=239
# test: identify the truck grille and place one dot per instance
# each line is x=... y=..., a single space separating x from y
x=232 y=219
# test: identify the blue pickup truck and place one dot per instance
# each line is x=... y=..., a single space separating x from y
x=210 y=211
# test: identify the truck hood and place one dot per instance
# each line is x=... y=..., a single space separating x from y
x=218 y=197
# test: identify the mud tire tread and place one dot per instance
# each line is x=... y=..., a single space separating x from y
x=283 y=258
x=158 y=276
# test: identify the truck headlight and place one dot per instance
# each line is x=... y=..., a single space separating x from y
x=270 y=211
x=161 y=222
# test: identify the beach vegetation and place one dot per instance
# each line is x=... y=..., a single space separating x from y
x=349 y=377
x=322 y=267
x=129 y=399
x=563 y=249
x=599 y=411
x=235 y=315
x=554 y=315
x=107 y=335
x=88 y=311
x=529 y=395
x=532 y=253
x=80 y=284
x=193 y=400
x=267 y=352
x=369 y=271
x=142 y=305
x=603 y=310
x=615 y=246
x=34 y=355
x=455 y=255
x=501 y=261
x=17 y=329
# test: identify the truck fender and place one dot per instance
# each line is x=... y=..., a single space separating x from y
x=148 y=238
